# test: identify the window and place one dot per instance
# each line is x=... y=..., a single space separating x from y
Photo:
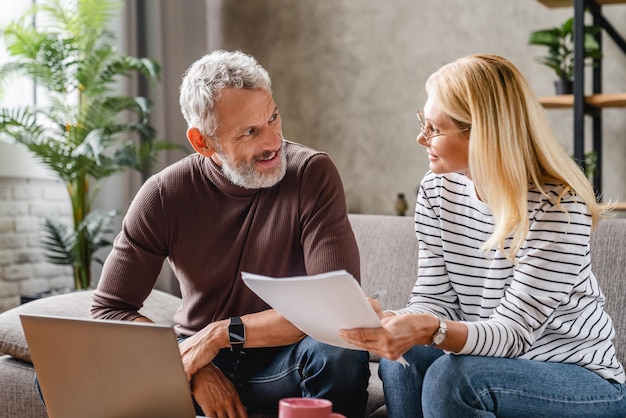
x=15 y=160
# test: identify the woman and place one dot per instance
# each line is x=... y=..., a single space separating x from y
x=506 y=317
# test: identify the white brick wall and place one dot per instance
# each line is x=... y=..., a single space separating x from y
x=23 y=268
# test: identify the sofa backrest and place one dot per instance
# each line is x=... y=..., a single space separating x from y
x=388 y=249
x=389 y=255
x=608 y=263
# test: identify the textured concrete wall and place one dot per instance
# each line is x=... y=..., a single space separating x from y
x=348 y=77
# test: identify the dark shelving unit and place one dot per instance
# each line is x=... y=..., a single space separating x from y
x=588 y=105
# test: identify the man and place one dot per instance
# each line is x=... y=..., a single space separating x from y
x=248 y=200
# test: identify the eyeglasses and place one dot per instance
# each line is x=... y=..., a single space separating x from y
x=430 y=133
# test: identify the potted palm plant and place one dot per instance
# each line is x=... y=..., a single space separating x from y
x=86 y=132
x=560 y=57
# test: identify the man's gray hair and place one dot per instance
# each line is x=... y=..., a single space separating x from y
x=204 y=80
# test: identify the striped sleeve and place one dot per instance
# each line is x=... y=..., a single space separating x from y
x=433 y=292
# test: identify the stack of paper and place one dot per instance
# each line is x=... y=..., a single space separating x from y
x=318 y=305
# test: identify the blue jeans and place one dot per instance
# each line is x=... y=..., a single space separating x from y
x=308 y=368
x=446 y=385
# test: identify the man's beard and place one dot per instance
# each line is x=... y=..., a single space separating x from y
x=245 y=175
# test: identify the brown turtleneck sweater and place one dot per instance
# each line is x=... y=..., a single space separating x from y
x=211 y=230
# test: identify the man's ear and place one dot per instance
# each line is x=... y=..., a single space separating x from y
x=199 y=143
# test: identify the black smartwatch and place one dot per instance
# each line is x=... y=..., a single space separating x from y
x=236 y=333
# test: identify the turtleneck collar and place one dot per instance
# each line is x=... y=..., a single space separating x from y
x=215 y=173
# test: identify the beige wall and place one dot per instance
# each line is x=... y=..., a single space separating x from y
x=348 y=76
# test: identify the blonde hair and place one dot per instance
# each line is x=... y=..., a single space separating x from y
x=512 y=146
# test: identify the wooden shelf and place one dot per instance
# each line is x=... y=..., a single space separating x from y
x=569 y=3
x=619 y=206
x=564 y=101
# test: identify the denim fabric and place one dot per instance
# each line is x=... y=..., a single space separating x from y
x=445 y=385
x=307 y=369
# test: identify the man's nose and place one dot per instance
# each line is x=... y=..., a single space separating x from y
x=271 y=138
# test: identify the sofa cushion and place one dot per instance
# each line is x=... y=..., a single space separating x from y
x=159 y=307
x=19 y=396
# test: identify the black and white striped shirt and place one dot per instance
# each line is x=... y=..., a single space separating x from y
x=548 y=306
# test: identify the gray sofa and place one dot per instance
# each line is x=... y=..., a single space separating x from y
x=388 y=261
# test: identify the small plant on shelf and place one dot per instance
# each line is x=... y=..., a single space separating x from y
x=560 y=57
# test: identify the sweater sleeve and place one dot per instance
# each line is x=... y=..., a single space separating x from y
x=432 y=292
x=138 y=253
x=327 y=237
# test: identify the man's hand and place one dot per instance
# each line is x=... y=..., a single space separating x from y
x=201 y=348
x=216 y=395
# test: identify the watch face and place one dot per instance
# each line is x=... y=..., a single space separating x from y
x=439 y=338
x=441 y=334
x=236 y=332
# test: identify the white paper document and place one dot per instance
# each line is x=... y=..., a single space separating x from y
x=319 y=305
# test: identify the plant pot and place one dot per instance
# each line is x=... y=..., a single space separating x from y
x=564 y=86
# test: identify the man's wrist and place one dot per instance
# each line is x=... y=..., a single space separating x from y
x=236 y=333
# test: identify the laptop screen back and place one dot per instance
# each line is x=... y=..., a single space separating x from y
x=106 y=369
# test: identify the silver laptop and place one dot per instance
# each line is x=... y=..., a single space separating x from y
x=107 y=369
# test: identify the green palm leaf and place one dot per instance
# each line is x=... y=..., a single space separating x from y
x=87 y=132
x=59 y=240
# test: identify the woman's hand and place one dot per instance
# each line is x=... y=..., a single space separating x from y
x=396 y=336
x=377 y=307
